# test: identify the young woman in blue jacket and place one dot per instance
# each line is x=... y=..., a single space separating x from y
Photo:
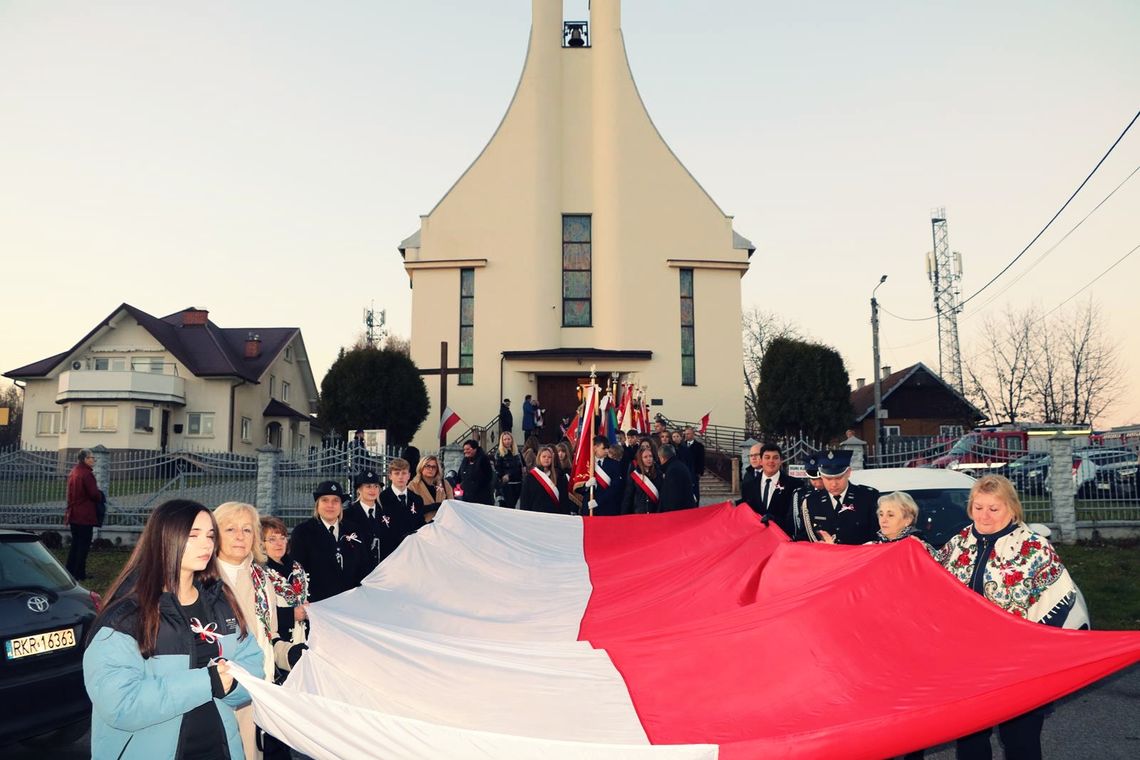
x=157 y=665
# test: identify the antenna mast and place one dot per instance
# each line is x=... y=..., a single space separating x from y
x=374 y=331
x=944 y=268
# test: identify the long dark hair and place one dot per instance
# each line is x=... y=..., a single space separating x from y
x=155 y=566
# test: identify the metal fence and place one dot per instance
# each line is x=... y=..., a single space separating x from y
x=33 y=483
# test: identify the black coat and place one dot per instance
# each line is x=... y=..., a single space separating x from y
x=780 y=501
x=695 y=457
x=856 y=523
x=535 y=497
x=476 y=478
x=383 y=536
x=635 y=502
x=506 y=419
x=313 y=546
x=509 y=466
x=609 y=499
x=676 y=486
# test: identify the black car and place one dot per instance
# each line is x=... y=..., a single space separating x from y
x=1118 y=481
x=44 y=617
x=1030 y=473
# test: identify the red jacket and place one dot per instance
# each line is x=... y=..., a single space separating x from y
x=82 y=496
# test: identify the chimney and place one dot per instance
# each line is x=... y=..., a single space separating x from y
x=886 y=370
x=860 y=382
x=194 y=317
x=253 y=346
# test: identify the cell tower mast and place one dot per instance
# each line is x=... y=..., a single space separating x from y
x=944 y=268
x=374 y=331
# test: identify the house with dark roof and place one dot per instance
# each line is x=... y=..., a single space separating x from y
x=136 y=381
x=915 y=402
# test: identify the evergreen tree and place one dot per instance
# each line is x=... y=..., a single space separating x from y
x=803 y=388
x=374 y=388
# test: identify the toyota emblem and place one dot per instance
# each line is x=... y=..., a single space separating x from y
x=38 y=604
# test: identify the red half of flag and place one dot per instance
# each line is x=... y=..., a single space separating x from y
x=447 y=421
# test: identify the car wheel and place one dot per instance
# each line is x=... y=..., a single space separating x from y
x=61 y=736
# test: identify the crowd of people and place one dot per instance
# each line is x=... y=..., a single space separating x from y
x=204 y=588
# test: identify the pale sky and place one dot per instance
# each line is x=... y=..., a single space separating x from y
x=263 y=159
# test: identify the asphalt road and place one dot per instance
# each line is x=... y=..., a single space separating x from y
x=1101 y=721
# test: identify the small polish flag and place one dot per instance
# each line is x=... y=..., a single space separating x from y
x=705 y=421
x=447 y=421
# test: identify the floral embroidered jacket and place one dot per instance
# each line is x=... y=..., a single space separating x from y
x=1019 y=572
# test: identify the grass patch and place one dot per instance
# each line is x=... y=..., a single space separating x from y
x=1106 y=572
x=103 y=566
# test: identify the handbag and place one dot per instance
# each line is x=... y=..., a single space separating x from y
x=100 y=511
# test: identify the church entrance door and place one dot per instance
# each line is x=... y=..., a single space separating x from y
x=558 y=395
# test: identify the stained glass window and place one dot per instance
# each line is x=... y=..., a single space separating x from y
x=467 y=323
x=577 y=263
x=688 y=332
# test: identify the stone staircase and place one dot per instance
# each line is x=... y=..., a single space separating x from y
x=714 y=490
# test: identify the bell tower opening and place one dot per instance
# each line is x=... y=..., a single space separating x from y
x=575 y=23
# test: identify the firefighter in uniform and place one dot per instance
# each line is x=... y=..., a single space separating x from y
x=841 y=512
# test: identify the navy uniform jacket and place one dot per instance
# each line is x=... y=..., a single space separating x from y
x=382 y=536
x=780 y=501
x=855 y=523
x=676 y=486
x=314 y=547
x=609 y=499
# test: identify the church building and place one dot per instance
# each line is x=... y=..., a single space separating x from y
x=577 y=239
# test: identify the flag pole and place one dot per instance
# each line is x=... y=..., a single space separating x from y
x=594 y=391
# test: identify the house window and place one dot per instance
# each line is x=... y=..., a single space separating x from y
x=49 y=423
x=891 y=430
x=466 y=324
x=950 y=430
x=284 y=391
x=100 y=418
x=147 y=364
x=289 y=354
x=273 y=386
x=246 y=429
x=577 y=259
x=200 y=424
x=142 y=419
x=688 y=338
x=114 y=364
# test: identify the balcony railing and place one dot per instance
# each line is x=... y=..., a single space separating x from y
x=120 y=385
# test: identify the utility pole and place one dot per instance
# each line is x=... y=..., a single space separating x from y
x=944 y=268
x=878 y=370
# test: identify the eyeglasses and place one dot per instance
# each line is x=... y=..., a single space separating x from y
x=275 y=539
x=431 y=466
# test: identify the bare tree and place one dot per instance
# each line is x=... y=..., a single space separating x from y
x=999 y=374
x=399 y=344
x=12 y=399
x=759 y=329
x=1063 y=370
x=1092 y=371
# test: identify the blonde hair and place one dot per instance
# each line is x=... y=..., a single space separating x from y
x=904 y=501
x=514 y=446
x=1001 y=489
x=227 y=513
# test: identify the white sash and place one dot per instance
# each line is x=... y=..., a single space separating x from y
x=545 y=481
x=602 y=478
x=646 y=485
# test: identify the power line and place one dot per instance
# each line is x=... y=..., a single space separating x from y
x=1054 y=218
x=1028 y=245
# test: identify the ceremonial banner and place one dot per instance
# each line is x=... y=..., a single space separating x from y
x=497 y=633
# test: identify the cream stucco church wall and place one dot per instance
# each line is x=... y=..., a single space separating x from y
x=577 y=139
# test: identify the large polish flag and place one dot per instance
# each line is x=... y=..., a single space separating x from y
x=496 y=633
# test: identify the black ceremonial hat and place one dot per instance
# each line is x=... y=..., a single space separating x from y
x=835 y=463
x=366 y=477
x=328 y=488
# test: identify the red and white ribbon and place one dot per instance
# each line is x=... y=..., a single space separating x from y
x=646 y=485
x=547 y=484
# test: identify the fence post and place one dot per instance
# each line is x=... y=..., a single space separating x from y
x=1062 y=492
x=102 y=467
x=268 y=484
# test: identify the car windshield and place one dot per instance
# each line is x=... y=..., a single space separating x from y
x=28 y=565
x=1029 y=460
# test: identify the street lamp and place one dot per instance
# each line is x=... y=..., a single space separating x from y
x=878 y=379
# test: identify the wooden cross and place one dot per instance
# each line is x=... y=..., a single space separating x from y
x=444 y=371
